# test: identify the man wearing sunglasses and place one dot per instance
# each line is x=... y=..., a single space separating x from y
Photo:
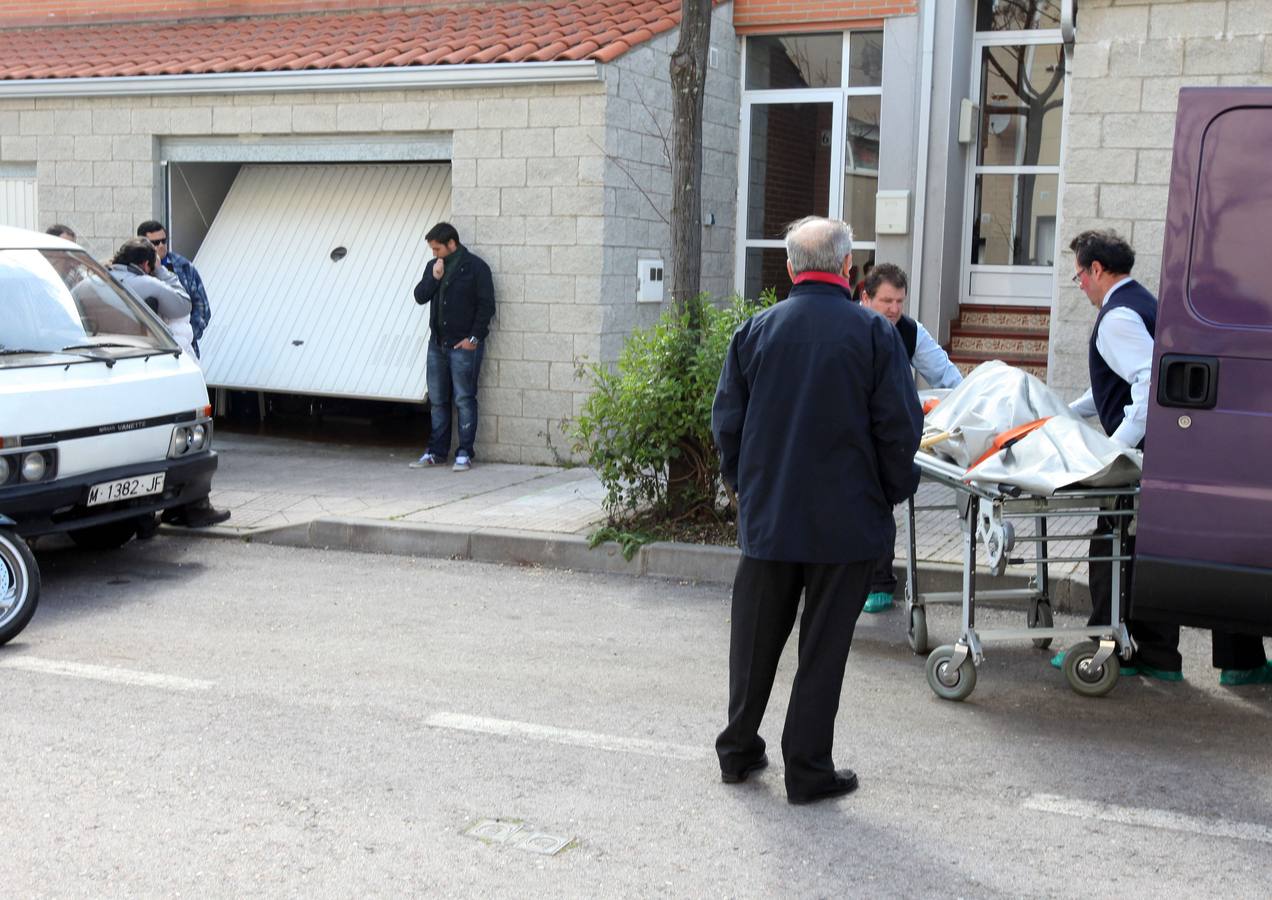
x=187 y=274
x=173 y=267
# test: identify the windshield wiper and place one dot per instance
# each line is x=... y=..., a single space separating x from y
x=143 y=351
x=65 y=351
x=95 y=346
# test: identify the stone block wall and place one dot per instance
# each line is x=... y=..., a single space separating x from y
x=633 y=169
x=528 y=180
x=1130 y=59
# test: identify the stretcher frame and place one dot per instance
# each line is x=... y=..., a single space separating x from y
x=985 y=517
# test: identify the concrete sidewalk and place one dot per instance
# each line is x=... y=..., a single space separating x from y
x=361 y=497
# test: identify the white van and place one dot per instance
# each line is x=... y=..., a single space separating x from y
x=104 y=420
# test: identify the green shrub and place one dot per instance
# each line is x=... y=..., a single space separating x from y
x=646 y=428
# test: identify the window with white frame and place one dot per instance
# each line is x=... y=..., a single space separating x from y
x=811 y=107
x=1014 y=177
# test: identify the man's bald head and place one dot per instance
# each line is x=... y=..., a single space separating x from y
x=816 y=244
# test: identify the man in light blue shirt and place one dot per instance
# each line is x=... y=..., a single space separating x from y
x=884 y=291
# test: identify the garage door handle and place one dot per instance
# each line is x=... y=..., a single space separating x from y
x=1189 y=382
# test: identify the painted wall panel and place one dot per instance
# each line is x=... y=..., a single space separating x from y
x=17 y=199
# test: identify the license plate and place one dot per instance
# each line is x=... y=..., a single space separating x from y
x=125 y=489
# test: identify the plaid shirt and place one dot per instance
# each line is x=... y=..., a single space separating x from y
x=188 y=275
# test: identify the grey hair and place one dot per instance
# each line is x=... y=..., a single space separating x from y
x=817 y=244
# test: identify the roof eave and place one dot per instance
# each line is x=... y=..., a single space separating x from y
x=388 y=78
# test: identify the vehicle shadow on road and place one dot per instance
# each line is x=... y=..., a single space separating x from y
x=76 y=583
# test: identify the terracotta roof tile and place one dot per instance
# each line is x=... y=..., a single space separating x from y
x=472 y=32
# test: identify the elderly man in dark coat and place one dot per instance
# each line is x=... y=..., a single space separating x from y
x=817 y=421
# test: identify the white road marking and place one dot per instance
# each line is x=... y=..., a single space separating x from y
x=1149 y=818
x=130 y=677
x=592 y=739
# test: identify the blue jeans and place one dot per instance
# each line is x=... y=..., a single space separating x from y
x=452 y=377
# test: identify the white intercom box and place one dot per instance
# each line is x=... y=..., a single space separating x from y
x=892 y=212
x=650 y=281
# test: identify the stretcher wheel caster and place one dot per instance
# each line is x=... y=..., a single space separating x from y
x=1040 y=617
x=1082 y=677
x=948 y=683
x=917 y=634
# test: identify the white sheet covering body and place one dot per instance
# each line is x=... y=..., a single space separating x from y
x=1064 y=451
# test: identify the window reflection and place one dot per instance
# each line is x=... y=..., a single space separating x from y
x=1022 y=105
x=865 y=59
x=788 y=170
x=766 y=268
x=794 y=61
x=1017 y=15
x=1014 y=221
x=861 y=165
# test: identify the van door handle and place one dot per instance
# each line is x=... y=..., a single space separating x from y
x=1190 y=382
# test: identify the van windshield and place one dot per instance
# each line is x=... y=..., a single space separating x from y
x=59 y=303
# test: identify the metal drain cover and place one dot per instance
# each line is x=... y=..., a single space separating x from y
x=520 y=835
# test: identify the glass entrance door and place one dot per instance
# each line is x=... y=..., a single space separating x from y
x=1009 y=245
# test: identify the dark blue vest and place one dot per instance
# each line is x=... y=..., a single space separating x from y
x=1112 y=392
x=909 y=335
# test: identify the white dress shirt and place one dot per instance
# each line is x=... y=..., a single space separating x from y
x=1126 y=346
x=933 y=363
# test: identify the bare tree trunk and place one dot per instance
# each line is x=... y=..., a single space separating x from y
x=688 y=82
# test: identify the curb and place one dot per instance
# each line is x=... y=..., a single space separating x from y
x=665 y=559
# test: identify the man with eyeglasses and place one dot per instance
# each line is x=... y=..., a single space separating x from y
x=186 y=274
x=1121 y=361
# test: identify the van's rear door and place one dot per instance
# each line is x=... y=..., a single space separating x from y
x=1204 y=553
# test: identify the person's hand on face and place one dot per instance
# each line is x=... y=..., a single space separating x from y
x=440 y=251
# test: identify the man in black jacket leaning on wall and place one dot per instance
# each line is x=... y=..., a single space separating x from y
x=458 y=284
x=817 y=421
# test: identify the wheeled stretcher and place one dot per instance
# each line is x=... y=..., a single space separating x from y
x=987 y=519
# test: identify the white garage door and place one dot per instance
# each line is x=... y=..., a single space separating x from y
x=310 y=271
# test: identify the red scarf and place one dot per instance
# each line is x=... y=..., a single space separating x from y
x=825 y=278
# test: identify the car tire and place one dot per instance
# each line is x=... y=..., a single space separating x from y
x=19 y=585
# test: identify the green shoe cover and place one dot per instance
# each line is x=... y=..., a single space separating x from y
x=1237 y=677
x=1161 y=674
x=877 y=602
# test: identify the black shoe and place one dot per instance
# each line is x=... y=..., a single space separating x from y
x=845 y=783
x=199 y=514
x=146 y=527
x=747 y=772
x=202 y=518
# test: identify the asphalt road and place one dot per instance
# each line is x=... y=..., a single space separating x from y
x=209 y=718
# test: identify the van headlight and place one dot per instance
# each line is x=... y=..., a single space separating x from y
x=34 y=467
x=5 y=469
x=190 y=438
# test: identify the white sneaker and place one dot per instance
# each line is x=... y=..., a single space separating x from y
x=427 y=459
x=462 y=464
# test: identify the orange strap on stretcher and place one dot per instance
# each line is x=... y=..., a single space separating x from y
x=1007 y=438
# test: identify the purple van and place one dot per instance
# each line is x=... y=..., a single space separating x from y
x=1204 y=554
